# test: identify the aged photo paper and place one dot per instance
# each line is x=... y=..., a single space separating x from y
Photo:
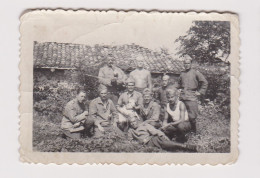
x=129 y=87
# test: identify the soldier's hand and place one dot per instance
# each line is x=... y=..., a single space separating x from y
x=113 y=80
x=101 y=129
x=197 y=93
x=115 y=124
x=76 y=125
x=85 y=113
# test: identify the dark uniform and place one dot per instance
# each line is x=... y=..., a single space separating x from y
x=191 y=81
x=106 y=74
x=74 y=121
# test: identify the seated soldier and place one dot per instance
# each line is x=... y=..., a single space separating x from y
x=146 y=134
x=102 y=110
x=75 y=117
x=176 y=121
x=150 y=110
x=129 y=104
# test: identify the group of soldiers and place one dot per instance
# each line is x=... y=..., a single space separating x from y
x=128 y=106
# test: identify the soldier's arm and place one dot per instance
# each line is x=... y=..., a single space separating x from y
x=154 y=131
x=139 y=102
x=156 y=112
x=130 y=135
x=165 y=120
x=120 y=101
x=149 y=78
x=121 y=76
x=178 y=83
x=203 y=83
x=182 y=114
x=93 y=112
x=114 y=112
x=71 y=113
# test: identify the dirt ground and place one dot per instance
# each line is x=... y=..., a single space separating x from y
x=213 y=135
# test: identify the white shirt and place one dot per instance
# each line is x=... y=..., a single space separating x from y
x=175 y=115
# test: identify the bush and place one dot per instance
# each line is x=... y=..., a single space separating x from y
x=218 y=77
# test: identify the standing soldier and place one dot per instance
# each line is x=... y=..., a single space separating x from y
x=113 y=78
x=141 y=76
x=193 y=85
x=161 y=93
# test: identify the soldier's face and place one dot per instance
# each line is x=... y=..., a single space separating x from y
x=130 y=87
x=109 y=62
x=103 y=95
x=147 y=99
x=140 y=63
x=81 y=97
x=133 y=124
x=165 y=82
x=172 y=98
x=187 y=64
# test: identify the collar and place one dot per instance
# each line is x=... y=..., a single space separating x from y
x=99 y=101
x=149 y=105
x=112 y=67
x=130 y=93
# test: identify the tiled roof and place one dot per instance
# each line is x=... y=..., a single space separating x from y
x=69 y=56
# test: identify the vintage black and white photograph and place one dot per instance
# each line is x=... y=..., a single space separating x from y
x=131 y=84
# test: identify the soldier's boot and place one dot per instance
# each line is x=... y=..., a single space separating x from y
x=190 y=147
x=193 y=126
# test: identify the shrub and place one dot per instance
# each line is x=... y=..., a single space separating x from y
x=218 y=77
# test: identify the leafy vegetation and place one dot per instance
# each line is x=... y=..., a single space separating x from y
x=206 y=41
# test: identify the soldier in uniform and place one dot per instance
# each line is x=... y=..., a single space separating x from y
x=193 y=85
x=75 y=119
x=113 y=78
x=103 y=111
x=146 y=134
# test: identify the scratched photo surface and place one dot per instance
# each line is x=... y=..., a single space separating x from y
x=110 y=82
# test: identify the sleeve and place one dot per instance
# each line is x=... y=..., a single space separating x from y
x=113 y=111
x=121 y=76
x=203 y=83
x=149 y=78
x=179 y=82
x=113 y=108
x=154 y=131
x=102 y=78
x=130 y=135
x=140 y=100
x=92 y=110
x=120 y=100
x=156 y=112
x=70 y=112
x=157 y=94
